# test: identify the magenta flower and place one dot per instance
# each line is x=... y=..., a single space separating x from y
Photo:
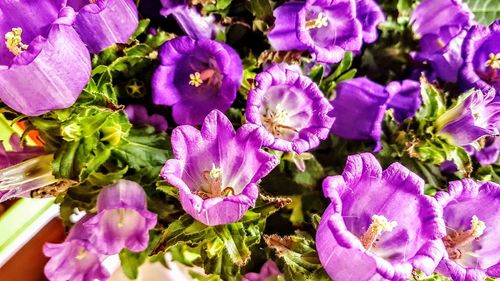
x=379 y=225
x=291 y=108
x=196 y=77
x=40 y=45
x=18 y=153
x=472 y=222
x=138 y=115
x=268 y=272
x=217 y=169
x=326 y=28
x=122 y=219
x=481 y=53
x=102 y=23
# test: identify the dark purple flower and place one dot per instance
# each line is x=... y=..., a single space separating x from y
x=358 y=109
x=102 y=23
x=291 y=108
x=196 y=77
x=217 y=169
x=138 y=115
x=474 y=117
x=380 y=225
x=405 y=98
x=431 y=15
x=326 y=28
x=122 y=219
x=481 y=53
x=40 y=46
x=268 y=272
x=190 y=20
x=472 y=221
x=489 y=151
x=370 y=15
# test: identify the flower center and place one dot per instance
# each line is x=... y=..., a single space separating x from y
x=276 y=120
x=121 y=218
x=14 y=42
x=457 y=239
x=198 y=78
x=320 y=21
x=494 y=61
x=212 y=186
x=81 y=255
x=379 y=225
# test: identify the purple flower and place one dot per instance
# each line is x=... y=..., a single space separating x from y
x=190 y=20
x=481 y=53
x=122 y=219
x=291 y=108
x=358 y=109
x=379 y=225
x=490 y=150
x=326 y=28
x=138 y=115
x=102 y=23
x=431 y=15
x=18 y=153
x=472 y=222
x=405 y=98
x=40 y=46
x=268 y=272
x=75 y=259
x=474 y=117
x=196 y=77
x=217 y=169
x=370 y=15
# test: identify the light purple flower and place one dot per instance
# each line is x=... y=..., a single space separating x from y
x=481 y=53
x=358 y=109
x=122 y=219
x=196 y=77
x=291 y=108
x=326 y=28
x=75 y=259
x=405 y=98
x=138 y=115
x=18 y=153
x=268 y=272
x=190 y=20
x=472 y=221
x=217 y=169
x=474 y=117
x=39 y=45
x=370 y=15
x=379 y=225
x=102 y=23
x=431 y=15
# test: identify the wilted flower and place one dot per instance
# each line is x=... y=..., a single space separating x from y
x=217 y=169
x=39 y=44
x=196 y=77
x=138 y=115
x=291 y=108
x=380 y=225
x=325 y=28
x=122 y=219
x=472 y=222
x=481 y=53
x=268 y=272
x=102 y=23
x=404 y=98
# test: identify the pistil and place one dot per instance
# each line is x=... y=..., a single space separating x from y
x=320 y=21
x=458 y=239
x=379 y=225
x=13 y=41
x=213 y=187
x=275 y=120
x=198 y=78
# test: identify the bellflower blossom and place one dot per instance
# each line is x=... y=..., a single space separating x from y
x=217 y=169
x=326 y=28
x=291 y=108
x=490 y=150
x=18 y=153
x=122 y=219
x=472 y=222
x=138 y=115
x=268 y=272
x=196 y=77
x=404 y=98
x=40 y=44
x=370 y=15
x=481 y=53
x=380 y=225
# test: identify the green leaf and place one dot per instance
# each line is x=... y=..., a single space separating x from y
x=485 y=11
x=433 y=104
x=262 y=9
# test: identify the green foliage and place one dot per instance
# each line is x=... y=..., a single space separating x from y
x=130 y=261
x=485 y=11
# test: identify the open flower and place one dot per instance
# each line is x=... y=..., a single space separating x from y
x=102 y=23
x=291 y=108
x=138 y=115
x=39 y=45
x=268 y=272
x=325 y=28
x=196 y=77
x=481 y=53
x=472 y=222
x=122 y=219
x=379 y=225
x=217 y=169
x=404 y=98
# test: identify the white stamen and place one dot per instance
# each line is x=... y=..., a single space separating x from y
x=319 y=22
